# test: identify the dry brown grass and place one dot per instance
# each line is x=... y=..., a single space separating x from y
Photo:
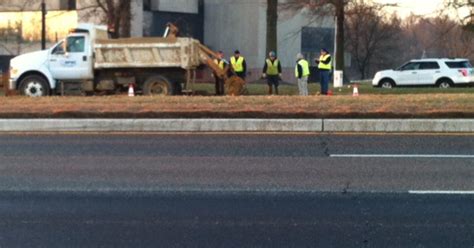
x=370 y=106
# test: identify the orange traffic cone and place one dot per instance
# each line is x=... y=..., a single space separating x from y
x=131 y=90
x=355 y=91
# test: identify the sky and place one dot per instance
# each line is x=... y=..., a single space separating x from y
x=63 y=21
x=417 y=7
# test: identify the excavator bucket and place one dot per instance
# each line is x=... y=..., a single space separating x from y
x=234 y=85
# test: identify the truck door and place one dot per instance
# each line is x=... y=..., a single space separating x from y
x=71 y=60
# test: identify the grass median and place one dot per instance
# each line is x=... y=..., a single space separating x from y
x=292 y=90
x=341 y=105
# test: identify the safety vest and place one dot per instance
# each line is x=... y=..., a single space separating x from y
x=272 y=68
x=237 y=64
x=322 y=65
x=221 y=63
x=305 y=65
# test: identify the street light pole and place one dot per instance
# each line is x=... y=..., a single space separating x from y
x=43 y=25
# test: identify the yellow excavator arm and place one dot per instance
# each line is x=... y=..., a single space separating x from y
x=234 y=85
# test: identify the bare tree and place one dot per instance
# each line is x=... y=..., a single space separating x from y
x=115 y=13
x=18 y=6
x=371 y=37
x=22 y=5
x=468 y=20
x=324 y=8
x=439 y=37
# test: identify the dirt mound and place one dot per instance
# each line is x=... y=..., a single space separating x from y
x=235 y=86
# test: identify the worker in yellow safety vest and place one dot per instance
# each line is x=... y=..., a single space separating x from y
x=222 y=63
x=239 y=65
x=272 y=71
x=324 y=67
x=302 y=73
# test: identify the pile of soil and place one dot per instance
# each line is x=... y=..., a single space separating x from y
x=235 y=86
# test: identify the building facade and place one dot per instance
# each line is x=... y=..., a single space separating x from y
x=241 y=24
x=229 y=25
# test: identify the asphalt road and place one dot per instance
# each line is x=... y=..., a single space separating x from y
x=233 y=190
x=236 y=162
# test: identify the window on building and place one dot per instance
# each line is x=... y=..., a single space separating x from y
x=313 y=39
x=147 y=5
x=67 y=4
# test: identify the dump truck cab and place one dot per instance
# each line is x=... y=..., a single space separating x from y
x=71 y=59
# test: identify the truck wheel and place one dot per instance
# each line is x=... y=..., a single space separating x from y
x=157 y=85
x=34 y=86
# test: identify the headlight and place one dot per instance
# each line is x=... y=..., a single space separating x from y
x=13 y=72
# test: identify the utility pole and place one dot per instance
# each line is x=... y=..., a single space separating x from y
x=43 y=25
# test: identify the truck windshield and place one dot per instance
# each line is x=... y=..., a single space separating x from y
x=75 y=44
x=59 y=49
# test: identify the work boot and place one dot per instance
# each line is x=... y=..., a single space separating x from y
x=270 y=90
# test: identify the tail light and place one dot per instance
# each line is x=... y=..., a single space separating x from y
x=464 y=72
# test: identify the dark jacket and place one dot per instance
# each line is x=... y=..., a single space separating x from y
x=300 y=69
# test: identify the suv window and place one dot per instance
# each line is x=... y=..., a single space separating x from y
x=459 y=64
x=410 y=66
x=429 y=65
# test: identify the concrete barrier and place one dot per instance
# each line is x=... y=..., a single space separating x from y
x=399 y=125
x=238 y=125
x=160 y=125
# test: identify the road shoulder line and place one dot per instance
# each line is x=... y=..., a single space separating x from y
x=440 y=192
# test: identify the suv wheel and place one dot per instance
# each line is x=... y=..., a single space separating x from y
x=387 y=84
x=445 y=84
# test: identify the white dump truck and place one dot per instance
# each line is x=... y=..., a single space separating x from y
x=88 y=62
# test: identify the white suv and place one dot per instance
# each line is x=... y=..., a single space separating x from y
x=443 y=73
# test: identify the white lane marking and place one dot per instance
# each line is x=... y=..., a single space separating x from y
x=401 y=156
x=440 y=192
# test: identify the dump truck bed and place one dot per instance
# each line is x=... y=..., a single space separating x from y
x=147 y=53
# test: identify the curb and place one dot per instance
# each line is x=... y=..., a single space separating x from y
x=160 y=125
x=238 y=125
x=400 y=125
